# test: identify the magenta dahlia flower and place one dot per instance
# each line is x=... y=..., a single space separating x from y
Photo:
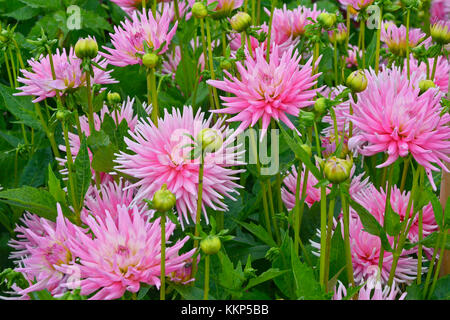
x=43 y=254
x=39 y=81
x=440 y=10
x=268 y=91
x=128 y=39
x=118 y=257
x=160 y=157
x=368 y=292
x=395 y=38
x=393 y=117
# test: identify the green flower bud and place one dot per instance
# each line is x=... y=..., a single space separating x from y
x=241 y=21
x=424 y=85
x=226 y=64
x=150 y=60
x=327 y=19
x=337 y=170
x=62 y=115
x=199 y=10
x=210 y=139
x=86 y=48
x=357 y=81
x=211 y=245
x=320 y=106
x=113 y=98
x=163 y=199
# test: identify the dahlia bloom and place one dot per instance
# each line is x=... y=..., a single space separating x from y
x=170 y=65
x=224 y=7
x=39 y=81
x=161 y=157
x=128 y=39
x=268 y=90
x=395 y=38
x=368 y=292
x=292 y=23
x=125 y=113
x=392 y=116
x=440 y=10
x=441 y=77
x=353 y=53
x=43 y=254
x=356 y=4
x=129 y=6
x=123 y=255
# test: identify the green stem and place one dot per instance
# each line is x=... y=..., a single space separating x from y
x=336 y=74
x=155 y=108
x=206 y=290
x=328 y=242
x=323 y=234
x=348 y=251
x=297 y=208
x=377 y=54
x=71 y=182
x=348 y=27
x=154 y=8
x=8 y=70
x=405 y=171
x=258 y=13
x=162 y=292
x=269 y=34
x=144 y=4
x=50 y=135
x=408 y=17
x=438 y=267
x=13 y=67
x=202 y=30
x=90 y=105
x=272 y=211
x=211 y=65
x=198 y=209
x=431 y=266
x=363 y=42
x=434 y=67
x=387 y=207
x=253 y=12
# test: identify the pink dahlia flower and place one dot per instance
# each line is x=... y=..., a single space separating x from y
x=118 y=257
x=395 y=38
x=224 y=7
x=370 y=292
x=160 y=157
x=43 y=254
x=170 y=65
x=357 y=4
x=128 y=39
x=268 y=90
x=125 y=113
x=129 y=6
x=39 y=81
x=393 y=117
x=292 y=23
x=353 y=54
x=442 y=71
x=440 y=10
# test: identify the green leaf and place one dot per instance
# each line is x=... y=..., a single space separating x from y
x=437 y=207
x=285 y=282
x=21 y=107
x=54 y=187
x=35 y=200
x=430 y=242
x=371 y=225
x=259 y=232
x=103 y=159
x=34 y=172
x=23 y=13
x=265 y=276
x=392 y=222
x=82 y=174
x=300 y=153
x=191 y=293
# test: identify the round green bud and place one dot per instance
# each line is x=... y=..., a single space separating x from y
x=357 y=81
x=226 y=64
x=337 y=170
x=62 y=115
x=113 y=98
x=210 y=139
x=150 y=60
x=211 y=245
x=327 y=19
x=163 y=199
x=86 y=48
x=320 y=106
x=199 y=10
x=241 y=21
x=424 y=85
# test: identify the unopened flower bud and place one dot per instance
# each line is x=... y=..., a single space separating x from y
x=210 y=139
x=150 y=60
x=226 y=64
x=199 y=10
x=320 y=106
x=440 y=32
x=113 y=98
x=337 y=170
x=86 y=48
x=357 y=81
x=241 y=21
x=163 y=199
x=424 y=85
x=211 y=245
x=327 y=19
x=62 y=115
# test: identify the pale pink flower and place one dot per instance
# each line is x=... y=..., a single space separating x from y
x=43 y=254
x=128 y=39
x=224 y=7
x=395 y=38
x=353 y=54
x=368 y=292
x=292 y=23
x=357 y=4
x=173 y=59
x=440 y=10
x=121 y=255
x=160 y=157
x=268 y=91
x=393 y=117
x=129 y=6
x=39 y=81
x=442 y=71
